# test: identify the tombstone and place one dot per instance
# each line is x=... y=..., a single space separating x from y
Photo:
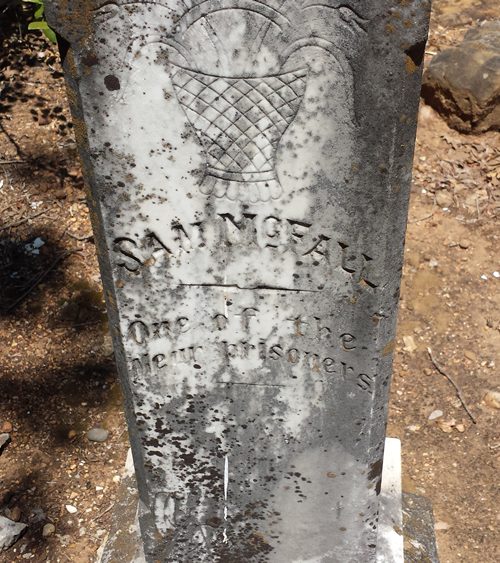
x=248 y=167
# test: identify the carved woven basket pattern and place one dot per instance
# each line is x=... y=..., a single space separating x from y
x=240 y=120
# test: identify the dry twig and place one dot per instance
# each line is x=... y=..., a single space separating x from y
x=104 y=512
x=79 y=238
x=452 y=381
x=421 y=218
x=21 y=221
x=5 y=162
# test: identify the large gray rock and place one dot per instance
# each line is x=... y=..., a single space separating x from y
x=463 y=83
x=10 y=532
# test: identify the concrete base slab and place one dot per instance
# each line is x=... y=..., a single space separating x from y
x=406 y=523
x=390 y=545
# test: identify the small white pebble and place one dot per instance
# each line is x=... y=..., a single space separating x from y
x=496 y=274
x=116 y=479
x=435 y=414
x=71 y=509
x=484 y=277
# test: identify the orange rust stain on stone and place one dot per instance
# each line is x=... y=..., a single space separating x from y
x=411 y=67
x=389 y=348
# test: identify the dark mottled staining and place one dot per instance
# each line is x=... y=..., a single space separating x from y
x=90 y=59
x=416 y=53
x=376 y=474
x=111 y=82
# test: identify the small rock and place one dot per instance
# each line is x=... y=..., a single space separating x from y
x=492 y=399
x=71 y=509
x=435 y=415
x=463 y=83
x=48 y=530
x=4 y=440
x=447 y=425
x=433 y=263
x=6 y=427
x=14 y=513
x=470 y=356
x=444 y=198
x=426 y=114
x=441 y=526
x=37 y=515
x=460 y=428
x=427 y=372
x=97 y=435
x=72 y=434
x=464 y=244
x=410 y=345
x=116 y=479
x=10 y=532
x=107 y=345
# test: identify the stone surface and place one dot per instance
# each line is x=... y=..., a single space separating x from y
x=97 y=435
x=419 y=537
x=249 y=169
x=411 y=541
x=463 y=83
x=10 y=532
x=123 y=543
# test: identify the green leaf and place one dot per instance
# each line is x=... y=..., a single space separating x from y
x=39 y=25
x=39 y=13
x=50 y=35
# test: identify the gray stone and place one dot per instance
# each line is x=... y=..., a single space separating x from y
x=419 y=536
x=10 y=532
x=48 y=530
x=97 y=435
x=4 y=441
x=249 y=169
x=463 y=83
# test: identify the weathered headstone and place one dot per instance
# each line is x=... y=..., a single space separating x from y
x=249 y=166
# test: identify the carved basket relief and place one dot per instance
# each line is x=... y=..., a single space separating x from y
x=239 y=74
x=240 y=122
